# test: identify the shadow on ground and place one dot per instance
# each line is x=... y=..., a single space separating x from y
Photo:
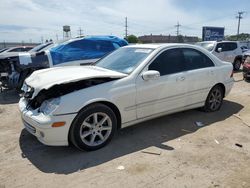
x=66 y=160
x=9 y=96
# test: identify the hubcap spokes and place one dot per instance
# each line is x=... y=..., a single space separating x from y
x=215 y=99
x=96 y=129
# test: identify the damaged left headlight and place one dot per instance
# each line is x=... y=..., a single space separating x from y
x=27 y=91
x=50 y=105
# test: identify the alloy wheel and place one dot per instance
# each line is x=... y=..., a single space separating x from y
x=215 y=99
x=96 y=129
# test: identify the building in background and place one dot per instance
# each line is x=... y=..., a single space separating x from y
x=167 y=39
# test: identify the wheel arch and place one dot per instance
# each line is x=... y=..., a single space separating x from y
x=111 y=105
x=222 y=86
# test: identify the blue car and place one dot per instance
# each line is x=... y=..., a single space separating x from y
x=77 y=51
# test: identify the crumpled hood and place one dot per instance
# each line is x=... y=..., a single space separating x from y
x=46 y=78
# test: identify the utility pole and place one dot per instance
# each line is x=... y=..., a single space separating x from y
x=239 y=17
x=126 y=27
x=177 y=29
x=57 y=37
x=80 y=32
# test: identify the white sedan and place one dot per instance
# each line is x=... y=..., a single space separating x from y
x=86 y=105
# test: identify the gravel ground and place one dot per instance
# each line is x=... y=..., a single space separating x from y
x=170 y=151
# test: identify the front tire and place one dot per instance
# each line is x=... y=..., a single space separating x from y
x=214 y=99
x=93 y=127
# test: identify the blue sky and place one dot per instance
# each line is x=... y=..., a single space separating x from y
x=29 y=20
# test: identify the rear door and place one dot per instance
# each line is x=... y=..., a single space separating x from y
x=168 y=91
x=230 y=51
x=200 y=75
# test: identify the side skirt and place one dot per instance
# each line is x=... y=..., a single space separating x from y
x=130 y=123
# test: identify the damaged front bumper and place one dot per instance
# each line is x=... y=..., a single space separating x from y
x=40 y=125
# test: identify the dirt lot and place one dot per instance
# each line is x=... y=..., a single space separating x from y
x=182 y=154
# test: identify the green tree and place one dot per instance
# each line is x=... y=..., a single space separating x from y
x=132 y=39
x=241 y=37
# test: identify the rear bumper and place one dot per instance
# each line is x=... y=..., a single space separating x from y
x=228 y=86
x=39 y=125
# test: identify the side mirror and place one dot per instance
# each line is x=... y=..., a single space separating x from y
x=219 y=50
x=150 y=75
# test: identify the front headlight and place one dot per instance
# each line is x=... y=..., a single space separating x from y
x=50 y=105
x=27 y=91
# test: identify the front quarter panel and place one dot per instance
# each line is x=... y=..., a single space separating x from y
x=120 y=92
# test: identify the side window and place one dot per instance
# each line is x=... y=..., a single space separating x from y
x=116 y=46
x=220 y=45
x=227 y=47
x=233 y=46
x=168 y=62
x=25 y=49
x=105 y=46
x=16 y=50
x=79 y=45
x=195 y=59
x=84 y=49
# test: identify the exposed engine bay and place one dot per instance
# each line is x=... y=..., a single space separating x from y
x=60 y=90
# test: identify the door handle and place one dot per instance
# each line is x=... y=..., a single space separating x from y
x=212 y=72
x=182 y=78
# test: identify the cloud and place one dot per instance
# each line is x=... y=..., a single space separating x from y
x=32 y=19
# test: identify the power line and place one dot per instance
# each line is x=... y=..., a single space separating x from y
x=126 y=27
x=80 y=31
x=177 y=28
x=239 y=17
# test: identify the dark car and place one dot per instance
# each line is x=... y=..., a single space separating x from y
x=78 y=51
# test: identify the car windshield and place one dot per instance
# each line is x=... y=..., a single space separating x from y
x=124 y=60
x=207 y=45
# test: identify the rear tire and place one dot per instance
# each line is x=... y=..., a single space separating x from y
x=214 y=99
x=237 y=64
x=93 y=127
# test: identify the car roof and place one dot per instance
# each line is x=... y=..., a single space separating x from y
x=224 y=41
x=156 y=46
x=111 y=38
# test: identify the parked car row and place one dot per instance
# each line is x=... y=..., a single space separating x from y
x=16 y=49
x=14 y=68
x=229 y=51
x=85 y=105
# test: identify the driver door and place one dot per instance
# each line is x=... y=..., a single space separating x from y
x=168 y=91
